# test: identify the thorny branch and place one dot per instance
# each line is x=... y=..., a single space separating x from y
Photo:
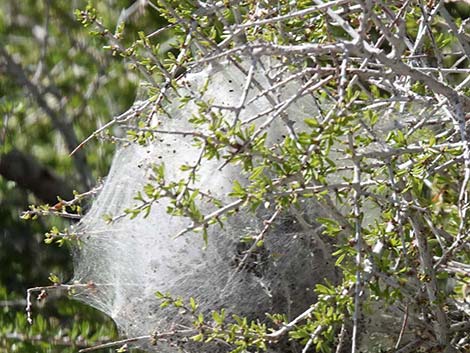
x=357 y=214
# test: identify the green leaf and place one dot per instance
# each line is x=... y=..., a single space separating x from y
x=237 y=190
x=192 y=304
x=198 y=338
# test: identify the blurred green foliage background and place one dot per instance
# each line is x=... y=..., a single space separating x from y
x=57 y=85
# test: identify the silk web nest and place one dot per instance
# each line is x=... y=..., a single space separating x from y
x=129 y=260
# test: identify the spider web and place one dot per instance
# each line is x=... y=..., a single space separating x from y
x=129 y=260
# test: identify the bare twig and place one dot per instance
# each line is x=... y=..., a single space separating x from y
x=43 y=293
x=124 y=117
x=116 y=343
x=403 y=328
x=259 y=237
x=295 y=14
x=289 y=326
x=314 y=334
